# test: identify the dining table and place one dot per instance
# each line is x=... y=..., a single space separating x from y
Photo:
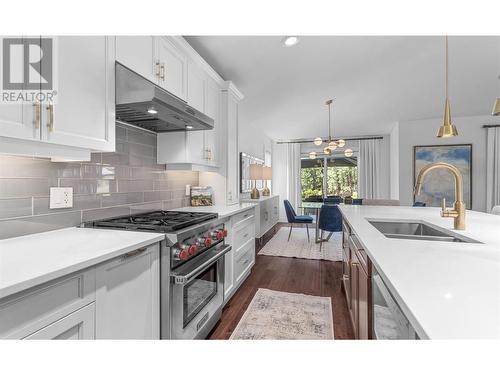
x=316 y=206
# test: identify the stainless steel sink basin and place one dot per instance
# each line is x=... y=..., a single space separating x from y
x=417 y=230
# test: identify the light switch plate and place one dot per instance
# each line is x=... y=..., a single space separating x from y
x=61 y=197
x=188 y=190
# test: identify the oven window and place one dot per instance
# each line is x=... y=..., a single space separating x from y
x=198 y=292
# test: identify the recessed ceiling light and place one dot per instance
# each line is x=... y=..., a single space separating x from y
x=290 y=41
x=152 y=110
x=189 y=127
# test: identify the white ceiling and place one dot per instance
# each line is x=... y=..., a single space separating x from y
x=374 y=81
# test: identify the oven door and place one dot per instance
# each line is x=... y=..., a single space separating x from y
x=197 y=291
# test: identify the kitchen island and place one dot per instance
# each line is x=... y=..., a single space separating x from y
x=446 y=290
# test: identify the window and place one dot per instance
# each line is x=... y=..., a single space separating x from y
x=326 y=176
x=342 y=177
x=311 y=179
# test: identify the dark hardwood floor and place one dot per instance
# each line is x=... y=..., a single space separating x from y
x=313 y=277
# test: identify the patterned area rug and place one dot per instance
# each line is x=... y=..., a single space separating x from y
x=276 y=315
x=299 y=247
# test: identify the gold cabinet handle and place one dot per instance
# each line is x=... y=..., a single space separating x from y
x=162 y=72
x=134 y=253
x=50 y=122
x=158 y=69
x=38 y=114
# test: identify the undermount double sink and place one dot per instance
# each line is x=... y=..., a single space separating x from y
x=417 y=230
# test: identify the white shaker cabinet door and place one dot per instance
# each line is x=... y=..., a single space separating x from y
x=78 y=325
x=173 y=72
x=212 y=109
x=196 y=99
x=232 y=153
x=18 y=118
x=128 y=296
x=138 y=54
x=82 y=115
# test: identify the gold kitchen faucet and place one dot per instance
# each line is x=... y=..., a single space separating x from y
x=458 y=212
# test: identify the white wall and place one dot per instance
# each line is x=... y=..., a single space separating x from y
x=423 y=132
x=394 y=162
x=253 y=142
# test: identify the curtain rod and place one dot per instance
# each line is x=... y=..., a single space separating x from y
x=311 y=140
x=491 y=126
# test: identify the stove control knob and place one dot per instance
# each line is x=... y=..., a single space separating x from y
x=208 y=241
x=220 y=235
x=182 y=252
x=193 y=249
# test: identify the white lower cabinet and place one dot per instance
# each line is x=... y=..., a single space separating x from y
x=76 y=326
x=26 y=313
x=240 y=260
x=128 y=296
x=117 y=299
x=266 y=214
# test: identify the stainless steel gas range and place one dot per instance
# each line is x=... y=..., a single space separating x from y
x=192 y=267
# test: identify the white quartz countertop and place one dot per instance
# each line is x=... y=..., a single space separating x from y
x=222 y=211
x=448 y=290
x=31 y=260
x=260 y=199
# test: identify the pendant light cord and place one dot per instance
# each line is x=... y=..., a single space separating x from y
x=329 y=103
x=329 y=122
x=446 y=66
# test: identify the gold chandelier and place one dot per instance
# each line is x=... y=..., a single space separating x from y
x=331 y=145
x=447 y=129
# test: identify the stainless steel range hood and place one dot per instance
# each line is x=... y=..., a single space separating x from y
x=141 y=103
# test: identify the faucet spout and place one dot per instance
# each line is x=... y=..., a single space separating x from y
x=459 y=207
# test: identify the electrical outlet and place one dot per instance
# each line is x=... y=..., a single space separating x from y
x=61 y=197
x=188 y=190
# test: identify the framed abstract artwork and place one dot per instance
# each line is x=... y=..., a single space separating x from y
x=440 y=183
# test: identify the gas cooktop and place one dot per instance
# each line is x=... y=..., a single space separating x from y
x=156 y=221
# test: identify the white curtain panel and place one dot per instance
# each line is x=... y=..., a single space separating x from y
x=293 y=174
x=493 y=169
x=286 y=175
x=369 y=169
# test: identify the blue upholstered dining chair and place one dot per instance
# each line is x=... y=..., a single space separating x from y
x=292 y=218
x=330 y=220
x=357 y=201
x=332 y=199
x=419 y=204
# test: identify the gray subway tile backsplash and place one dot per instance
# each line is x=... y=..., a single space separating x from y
x=110 y=184
x=16 y=207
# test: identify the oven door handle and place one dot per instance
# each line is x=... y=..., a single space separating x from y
x=183 y=278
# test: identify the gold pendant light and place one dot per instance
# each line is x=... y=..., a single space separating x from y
x=496 y=106
x=447 y=129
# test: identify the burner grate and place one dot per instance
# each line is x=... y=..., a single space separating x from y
x=157 y=221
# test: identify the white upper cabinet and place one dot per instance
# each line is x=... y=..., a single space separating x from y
x=83 y=113
x=212 y=109
x=80 y=117
x=17 y=119
x=172 y=68
x=138 y=54
x=232 y=149
x=196 y=87
x=196 y=99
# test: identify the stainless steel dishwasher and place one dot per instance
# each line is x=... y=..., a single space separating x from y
x=389 y=322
